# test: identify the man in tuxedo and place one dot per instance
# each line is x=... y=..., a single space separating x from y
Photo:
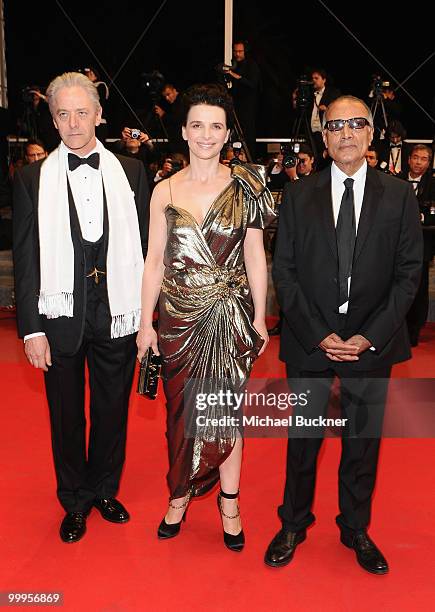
x=346 y=269
x=393 y=150
x=419 y=174
x=80 y=236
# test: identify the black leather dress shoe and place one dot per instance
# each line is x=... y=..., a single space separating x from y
x=112 y=510
x=73 y=527
x=282 y=548
x=367 y=553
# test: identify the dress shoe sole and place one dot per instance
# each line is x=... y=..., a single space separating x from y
x=286 y=561
x=381 y=572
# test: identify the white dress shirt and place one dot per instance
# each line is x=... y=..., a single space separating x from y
x=87 y=189
x=337 y=188
x=415 y=182
x=395 y=160
x=316 y=125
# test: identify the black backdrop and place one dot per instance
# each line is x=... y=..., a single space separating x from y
x=185 y=43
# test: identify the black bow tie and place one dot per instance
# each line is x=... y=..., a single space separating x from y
x=395 y=146
x=74 y=161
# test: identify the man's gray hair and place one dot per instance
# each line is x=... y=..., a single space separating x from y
x=71 y=79
x=348 y=99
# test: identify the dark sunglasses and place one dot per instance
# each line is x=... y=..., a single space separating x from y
x=356 y=123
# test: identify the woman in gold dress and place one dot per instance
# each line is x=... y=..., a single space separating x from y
x=206 y=265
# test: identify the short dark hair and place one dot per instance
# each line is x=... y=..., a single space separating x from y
x=320 y=71
x=374 y=149
x=396 y=127
x=304 y=148
x=241 y=41
x=212 y=94
x=35 y=141
x=421 y=147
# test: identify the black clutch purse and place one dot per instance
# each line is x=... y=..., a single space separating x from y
x=149 y=373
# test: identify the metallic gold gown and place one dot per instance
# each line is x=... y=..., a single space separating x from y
x=205 y=321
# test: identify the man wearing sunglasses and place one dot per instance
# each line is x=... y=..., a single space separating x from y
x=346 y=268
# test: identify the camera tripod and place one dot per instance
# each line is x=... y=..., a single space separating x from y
x=302 y=126
x=237 y=127
x=377 y=103
x=241 y=137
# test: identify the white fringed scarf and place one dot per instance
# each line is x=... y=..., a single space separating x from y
x=124 y=254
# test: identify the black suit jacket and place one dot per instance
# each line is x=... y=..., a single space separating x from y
x=426 y=187
x=425 y=196
x=383 y=147
x=385 y=274
x=64 y=333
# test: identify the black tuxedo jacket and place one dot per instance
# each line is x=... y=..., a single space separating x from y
x=383 y=147
x=425 y=195
x=64 y=333
x=426 y=187
x=385 y=274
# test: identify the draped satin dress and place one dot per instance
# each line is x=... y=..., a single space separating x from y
x=205 y=323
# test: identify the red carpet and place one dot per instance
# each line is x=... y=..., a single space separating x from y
x=124 y=567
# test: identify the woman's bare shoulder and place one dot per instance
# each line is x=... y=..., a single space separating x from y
x=161 y=196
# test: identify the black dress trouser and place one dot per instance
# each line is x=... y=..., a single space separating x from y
x=83 y=475
x=362 y=397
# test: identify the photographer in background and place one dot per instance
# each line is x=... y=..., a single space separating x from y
x=276 y=174
x=244 y=80
x=171 y=165
x=34 y=151
x=231 y=152
x=323 y=95
x=306 y=162
x=172 y=118
x=137 y=145
x=384 y=105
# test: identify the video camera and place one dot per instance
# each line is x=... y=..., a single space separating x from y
x=290 y=152
x=378 y=85
x=153 y=82
x=304 y=92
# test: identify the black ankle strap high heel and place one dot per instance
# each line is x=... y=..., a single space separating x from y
x=165 y=530
x=233 y=542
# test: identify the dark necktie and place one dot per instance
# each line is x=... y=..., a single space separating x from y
x=346 y=236
x=74 y=161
